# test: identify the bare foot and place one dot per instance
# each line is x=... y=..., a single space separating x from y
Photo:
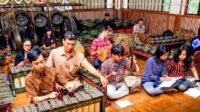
x=108 y=103
x=134 y=90
x=198 y=84
x=170 y=90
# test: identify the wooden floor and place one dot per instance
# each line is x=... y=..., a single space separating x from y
x=142 y=102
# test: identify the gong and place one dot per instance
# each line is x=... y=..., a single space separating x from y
x=22 y=18
x=56 y=18
x=40 y=20
x=15 y=39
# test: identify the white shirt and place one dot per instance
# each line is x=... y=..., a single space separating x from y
x=138 y=29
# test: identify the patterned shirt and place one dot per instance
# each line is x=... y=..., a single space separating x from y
x=98 y=44
x=42 y=85
x=109 y=66
x=153 y=70
x=176 y=70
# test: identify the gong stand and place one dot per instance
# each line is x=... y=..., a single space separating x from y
x=32 y=21
x=16 y=29
x=39 y=5
x=13 y=13
x=131 y=57
x=1 y=27
x=48 y=14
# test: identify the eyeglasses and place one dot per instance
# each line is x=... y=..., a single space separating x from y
x=27 y=45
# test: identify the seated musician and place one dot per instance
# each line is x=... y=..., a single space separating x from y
x=100 y=43
x=21 y=57
x=115 y=69
x=71 y=60
x=139 y=27
x=155 y=72
x=195 y=42
x=40 y=82
x=48 y=41
x=179 y=65
x=107 y=21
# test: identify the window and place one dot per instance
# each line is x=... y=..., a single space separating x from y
x=152 y=5
x=193 y=7
x=91 y=4
x=166 y=4
x=109 y=3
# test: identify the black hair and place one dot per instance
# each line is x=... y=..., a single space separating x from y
x=198 y=32
x=140 y=19
x=26 y=39
x=102 y=29
x=47 y=29
x=23 y=41
x=117 y=49
x=34 y=54
x=188 y=60
x=107 y=14
x=6 y=32
x=70 y=36
x=162 y=49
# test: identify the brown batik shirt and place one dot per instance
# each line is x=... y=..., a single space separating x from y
x=40 y=85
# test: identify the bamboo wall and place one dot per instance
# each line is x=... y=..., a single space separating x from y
x=93 y=14
x=157 y=22
x=154 y=22
x=190 y=23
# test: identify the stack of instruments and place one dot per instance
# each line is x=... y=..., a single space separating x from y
x=18 y=78
x=87 y=100
x=6 y=96
x=89 y=81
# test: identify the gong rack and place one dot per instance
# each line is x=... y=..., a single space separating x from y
x=40 y=5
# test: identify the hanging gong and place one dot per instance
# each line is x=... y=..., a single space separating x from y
x=56 y=18
x=15 y=39
x=22 y=18
x=40 y=20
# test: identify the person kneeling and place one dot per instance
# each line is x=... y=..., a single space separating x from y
x=115 y=69
x=40 y=82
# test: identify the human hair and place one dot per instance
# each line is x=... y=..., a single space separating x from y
x=5 y=32
x=198 y=34
x=47 y=29
x=117 y=49
x=70 y=36
x=26 y=39
x=140 y=20
x=102 y=29
x=188 y=60
x=23 y=41
x=107 y=14
x=162 y=49
x=34 y=54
